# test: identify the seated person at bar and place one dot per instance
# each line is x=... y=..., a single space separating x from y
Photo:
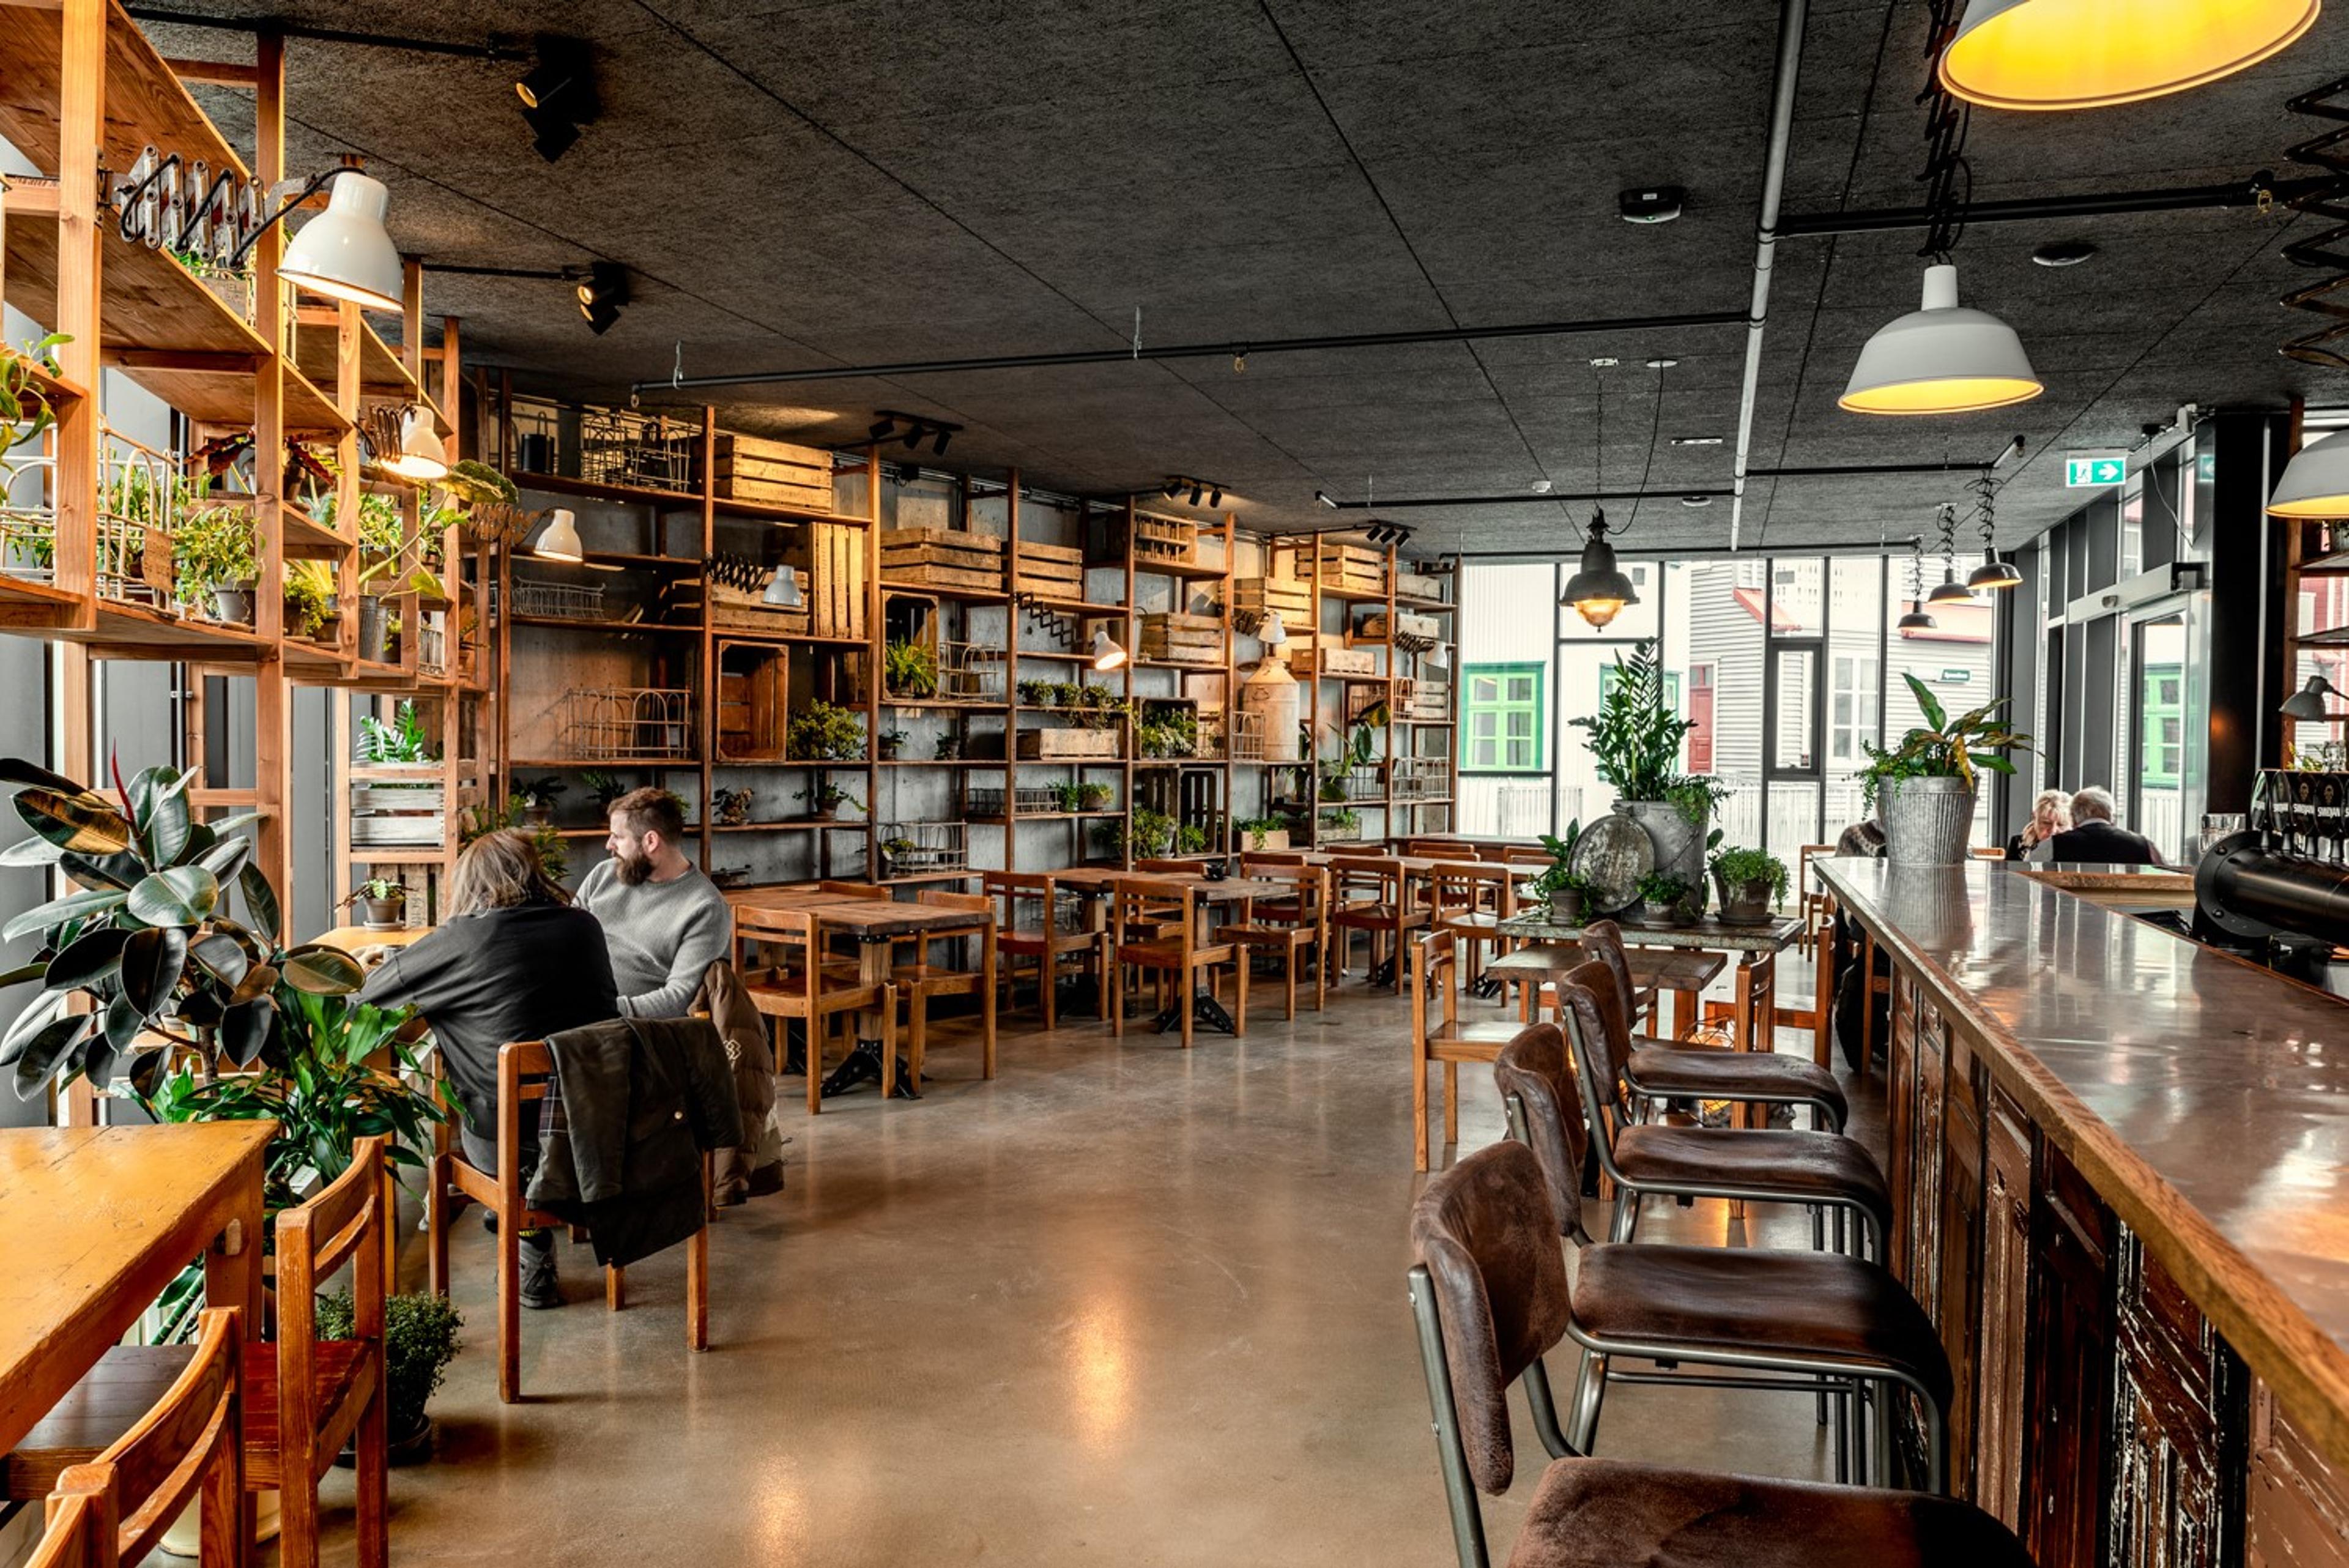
x=511 y=961
x=667 y=925
x=2096 y=839
x=2051 y=814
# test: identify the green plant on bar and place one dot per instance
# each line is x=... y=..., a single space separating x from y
x=824 y=797
x=1661 y=888
x=1559 y=876
x=1190 y=839
x=1942 y=747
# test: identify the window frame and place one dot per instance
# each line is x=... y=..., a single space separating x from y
x=1501 y=709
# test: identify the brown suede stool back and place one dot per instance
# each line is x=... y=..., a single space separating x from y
x=1588 y=1005
x=1603 y=940
x=1536 y=1069
x=1487 y=1234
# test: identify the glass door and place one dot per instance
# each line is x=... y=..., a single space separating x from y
x=2163 y=765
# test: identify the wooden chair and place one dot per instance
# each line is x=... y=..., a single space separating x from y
x=1027 y=928
x=1470 y=899
x=525 y=1068
x=1372 y=894
x=809 y=986
x=921 y=980
x=152 y=1428
x=1142 y=907
x=1812 y=906
x=1291 y=927
x=302 y=1398
x=1438 y=1036
x=1439 y=849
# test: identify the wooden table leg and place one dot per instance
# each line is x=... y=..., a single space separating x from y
x=873 y=972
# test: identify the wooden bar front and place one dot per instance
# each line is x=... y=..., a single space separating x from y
x=2120 y=1174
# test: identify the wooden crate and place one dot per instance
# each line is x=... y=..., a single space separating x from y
x=1338 y=661
x=751 y=684
x=1163 y=541
x=752 y=468
x=1057 y=745
x=835 y=586
x=1405 y=628
x=1179 y=638
x=1292 y=598
x=1050 y=571
x=943 y=559
x=1353 y=568
x=1423 y=699
x=1418 y=585
x=726 y=608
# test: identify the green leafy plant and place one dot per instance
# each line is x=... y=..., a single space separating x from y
x=1095 y=797
x=401 y=740
x=1559 y=876
x=214 y=547
x=1697 y=796
x=1659 y=889
x=419 y=1340
x=947 y=748
x=1190 y=839
x=147 y=936
x=474 y=821
x=890 y=742
x=1254 y=829
x=1099 y=708
x=1943 y=747
x=540 y=794
x=825 y=796
x=730 y=807
x=1035 y=693
x=1066 y=694
x=1070 y=797
x=377 y=889
x=1168 y=732
x=1345 y=819
x=309 y=595
x=1736 y=868
x=24 y=411
x=603 y=788
x=1635 y=738
x=898 y=848
x=825 y=734
x=909 y=668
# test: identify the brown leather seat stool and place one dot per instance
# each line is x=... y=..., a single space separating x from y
x=1488 y=1288
x=1783 y=1320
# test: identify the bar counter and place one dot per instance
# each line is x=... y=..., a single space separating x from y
x=2120 y=1172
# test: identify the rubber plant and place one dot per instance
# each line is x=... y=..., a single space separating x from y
x=1943 y=747
x=146 y=935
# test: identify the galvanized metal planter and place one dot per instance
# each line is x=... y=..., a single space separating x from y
x=1927 y=821
x=1680 y=844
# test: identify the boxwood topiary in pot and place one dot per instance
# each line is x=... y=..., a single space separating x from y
x=1751 y=882
x=419 y=1340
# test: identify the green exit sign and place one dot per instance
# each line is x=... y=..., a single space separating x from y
x=2082 y=470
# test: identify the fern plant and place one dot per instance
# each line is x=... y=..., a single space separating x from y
x=401 y=740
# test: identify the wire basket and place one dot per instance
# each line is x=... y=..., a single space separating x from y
x=970 y=671
x=139 y=502
x=651 y=451
x=1025 y=799
x=1243 y=734
x=915 y=848
x=558 y=601
x=1417 y=778
x=628 y=723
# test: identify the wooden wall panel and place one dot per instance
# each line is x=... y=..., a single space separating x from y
x=2000 y=1414
x=1958 y=1307
x=2296 y=1510
x=2178 y=1398
x=2069 y=1367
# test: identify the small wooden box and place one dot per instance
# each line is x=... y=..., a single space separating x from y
x=1178 y=639
x=1349 y=661
x=1050 y=571
x=1056 y=745
x=1417 y=586
x=752 y=468
x=1423 y=699
x=943 y=559
x=1163 y=541
x=751 y=684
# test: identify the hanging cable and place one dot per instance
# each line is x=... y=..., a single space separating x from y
x=1655 y=427
x=1947 y=120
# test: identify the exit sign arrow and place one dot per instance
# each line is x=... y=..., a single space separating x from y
x=2084 y=470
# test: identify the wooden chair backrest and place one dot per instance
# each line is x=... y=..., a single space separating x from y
x=1365 y=878
x=981 y=908
x=525 y=1077
x=345 y=1222
x=1440 y=849
x=80 y=1522
x=1146 y=901
x=1522 y=854
x=1013 y=890
x=1167 y=865
x=1311 y=882
x=1432 y=1002
x=160 y=1464
x=1461 y=886
x=753 y=923
x=856 y=889
x=1273 y=857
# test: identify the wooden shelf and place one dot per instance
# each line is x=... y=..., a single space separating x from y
x=1215 y=669
x=1191 y=570
x=966 y=596
x=383 y=374
x=666 y=765
x=571 y=623
x=133 y=632
x=779 y=512
x=618 y=494
x=145 y=101
x=945 y=704
x=37 y=605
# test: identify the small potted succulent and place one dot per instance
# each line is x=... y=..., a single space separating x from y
x=729 y=807
x=1066 y=694
x=1751 y=882
x=1664 y=900
x=538 y=797
x=382 y=903
x=890 y=742
x=825 y=800
x=949 y=747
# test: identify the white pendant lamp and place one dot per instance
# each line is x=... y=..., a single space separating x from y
x=2315 y=483
x=1107 y=654
x=783 y=589
x=1941 y=359
x=1272 y=633
x=2085 y=54
x=344 y=253
x=560 y=540
x=421 y=456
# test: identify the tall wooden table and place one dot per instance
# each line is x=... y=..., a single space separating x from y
x=874 y=926
x=94 y=1222
x=1756 y=948
x=1214 y=893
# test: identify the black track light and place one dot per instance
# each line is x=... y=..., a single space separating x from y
x=1195 y=493
x=1216 y=497
x=913 y=434
x=938 y=444
x=1170 y=489
x=558 y=95
x=881 y=429
x=601 y=296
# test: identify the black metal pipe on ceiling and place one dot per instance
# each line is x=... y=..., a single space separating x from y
x=1227 y=350
x=164 y=13
x=1537 y=498
x=2248 y=192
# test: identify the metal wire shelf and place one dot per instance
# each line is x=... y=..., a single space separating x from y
x=558 y=601
x=911 y=848
x=651 y=451
x=628 y=723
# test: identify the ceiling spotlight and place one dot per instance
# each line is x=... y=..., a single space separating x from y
x=1941 y=359
x=558 y=95
x=1541 y=487
x=1599 y=590
x=1696 y=441
x=2085 y=54
x=1323 y=497
x=915 y=434
x=1106 y=653
x=602 y=294
x=560 y=540
x=1651 y=203
x=1170 y=489
x=1661 y=364
x=1215 y=495
x=939 y=440
x=1195 y=493
x=881 y=428
x=2063 y=253
x=1696 y=499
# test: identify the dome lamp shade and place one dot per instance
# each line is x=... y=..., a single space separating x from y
x=1949 y=591
x=2307 y=704
x=1994 y=573
x=560 y=540
x=1940 y=358
x=1106 y=652
x=2315 y=483
x=422 y=458
x=1599 y=589
x=1918 y=620
x=2088 y=54
x=346 y=253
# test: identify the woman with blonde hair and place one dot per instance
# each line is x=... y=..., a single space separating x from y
x=2051 y=814
x=512 y=961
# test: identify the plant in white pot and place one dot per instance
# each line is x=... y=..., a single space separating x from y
x=1751 y=883
x=1924 y=789
x=1635 y=740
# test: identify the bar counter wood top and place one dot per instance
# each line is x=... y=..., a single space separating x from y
x=2204 y=1098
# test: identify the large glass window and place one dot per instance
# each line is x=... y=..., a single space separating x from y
x=1852 y=708
x=1502 y=712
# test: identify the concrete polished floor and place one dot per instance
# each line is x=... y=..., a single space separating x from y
x=1123 y=1305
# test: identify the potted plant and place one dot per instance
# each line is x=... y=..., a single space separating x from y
x=825 y=798
x=1751 y=882
x=1149 y=834
x=1265 y=833
x=1664 y=900
x=909 y=668
x=309 y=594
x=1190 y=839
x=603 y=788
x=476 y=820
x=215 y=561
x=1564 y=889
x=729 y=807
x=890 y=741
x=1340 y=826
x=1095 y=797
x=1924 y=789
x=419 y=1340
x=1035 y=693
x=898 y=853
x=1635 y=746
x=1068 y=797
x=948 y=748
x=538 y=797
x=1065 y=694
x=382 y=904
x=825 y=734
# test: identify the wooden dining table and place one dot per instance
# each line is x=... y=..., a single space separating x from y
x=1092 y=883
x=95 y=1223
x=875 y=927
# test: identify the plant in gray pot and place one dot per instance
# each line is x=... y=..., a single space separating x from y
x=1752 y=884
x=1924 y=789
x=1566 y=890
x=1666 y=901
x=1635 y=740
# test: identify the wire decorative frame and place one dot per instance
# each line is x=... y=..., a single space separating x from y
x=1243 y=734
x=970 y=671
x=913 y=849
x=138 y=497
x=986 y=800
x=1420 y=778
x=28 y=534
x=628 y=723
x=651 y=451
x=558 y=601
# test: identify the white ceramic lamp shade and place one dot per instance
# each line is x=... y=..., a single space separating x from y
x=2085 y=54
x=2315 y=483
x=344 y=253
x=1941 y=359
x=421 y=456
x=1106 y=652
x=560 y=540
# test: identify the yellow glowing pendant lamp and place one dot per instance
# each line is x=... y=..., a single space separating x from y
x=2315 y=483
x=2085 y=54
x=1942 y=358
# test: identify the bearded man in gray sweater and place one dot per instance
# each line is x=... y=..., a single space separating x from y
x=666 y=926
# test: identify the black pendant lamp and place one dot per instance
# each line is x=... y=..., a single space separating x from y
x=1948 y=591
x=1918 y=619
x=1993 y=573
x=1600 y=590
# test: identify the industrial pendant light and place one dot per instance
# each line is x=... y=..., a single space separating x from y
x=783 y=590
x=344 y=253
x=421 y=457
x=1272 y=633
x=1993 y=573
x=1600 y=590
x=2315 y=483
x=1941 y=359
x=560 y=540
x=1106 y=652
x=1948 y=591
x=2085 y=54
x=2307 y=704
x=1918 y=619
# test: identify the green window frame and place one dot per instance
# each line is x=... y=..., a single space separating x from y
x=1502 y=709
x=2162 y=722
